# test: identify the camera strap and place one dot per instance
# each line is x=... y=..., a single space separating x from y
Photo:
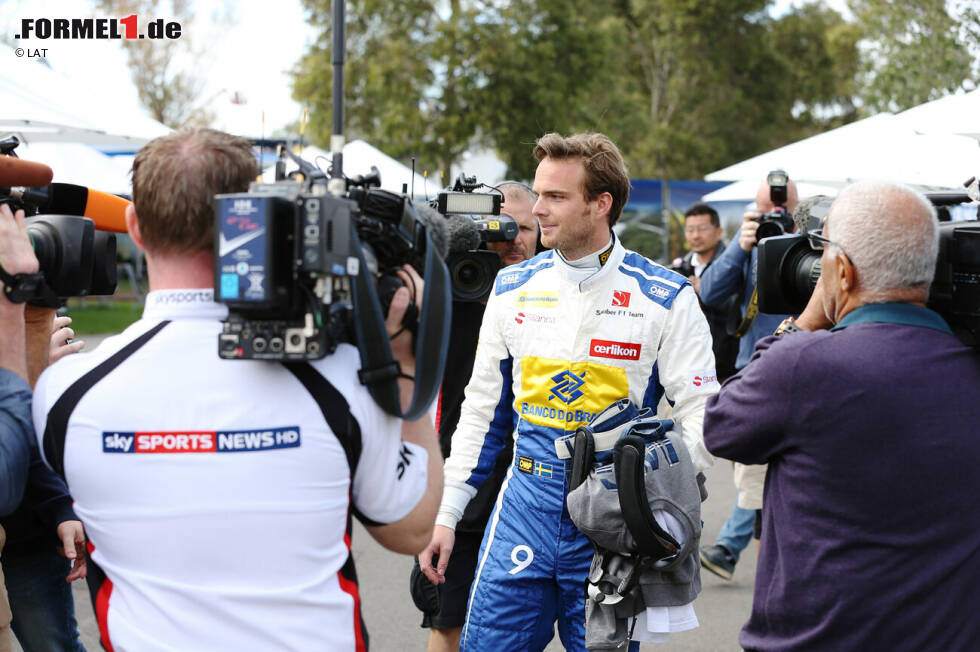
x=379 y=370
x=751 y=312
x=19 y=288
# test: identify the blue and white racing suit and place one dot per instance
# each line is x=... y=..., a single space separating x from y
x=555 y=350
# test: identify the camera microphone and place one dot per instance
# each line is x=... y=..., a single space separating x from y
x=106 y=210
x=811 y=209
x=437 y=228
x=464 y=235
x=18 y=172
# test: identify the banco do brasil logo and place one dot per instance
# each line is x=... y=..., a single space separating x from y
x=567 y=386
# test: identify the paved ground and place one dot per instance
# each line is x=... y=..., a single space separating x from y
x=392 y=619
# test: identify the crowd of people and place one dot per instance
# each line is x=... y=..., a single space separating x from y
x=853 y=459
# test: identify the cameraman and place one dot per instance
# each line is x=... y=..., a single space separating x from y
x=702 y=231
x=216 y=494
x=447 y=622
x=734 y=273
x=869 y=428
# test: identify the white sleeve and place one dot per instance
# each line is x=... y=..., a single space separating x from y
x=391 y=474
x=687 y=371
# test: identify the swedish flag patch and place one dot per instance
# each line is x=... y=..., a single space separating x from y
x=544 y=470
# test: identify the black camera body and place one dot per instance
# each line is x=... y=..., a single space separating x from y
x=779 y=220
x=788 y=270
x=287 y=260
x=683 y=267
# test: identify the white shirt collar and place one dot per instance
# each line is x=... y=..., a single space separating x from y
x=190 y=303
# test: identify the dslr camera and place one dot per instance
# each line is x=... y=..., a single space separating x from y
x=789 y=268
x=778 y=221
x=76 y=260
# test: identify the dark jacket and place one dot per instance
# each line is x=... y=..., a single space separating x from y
x=870 y=524
x=463 y=336
x=724 y=346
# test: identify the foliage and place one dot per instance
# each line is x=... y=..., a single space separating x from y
x=172 y=95
x=917 y=51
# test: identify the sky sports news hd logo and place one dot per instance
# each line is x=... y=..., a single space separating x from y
x=201 y=441
x=79 y=29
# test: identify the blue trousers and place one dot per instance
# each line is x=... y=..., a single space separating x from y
x=736 y=533
x=41 y=601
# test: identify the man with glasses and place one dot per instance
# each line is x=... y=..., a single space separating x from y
x=702 y=230
x=869 y=427
x=735 y=273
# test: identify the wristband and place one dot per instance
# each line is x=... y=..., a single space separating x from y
x=788 y=325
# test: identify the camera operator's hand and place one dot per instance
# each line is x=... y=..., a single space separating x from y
x=62 y=343
x=814 y=316
x=401 y=337
x=72 y=536
x=16 y=254
x=443 y=540
x=746 y=237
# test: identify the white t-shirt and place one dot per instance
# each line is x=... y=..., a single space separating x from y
x=214 y=494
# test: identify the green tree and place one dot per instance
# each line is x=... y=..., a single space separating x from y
x=427 y=79
x=917 y=51
x=172 y=94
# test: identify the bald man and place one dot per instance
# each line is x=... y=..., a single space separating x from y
x=869 y=426
x=734 y=274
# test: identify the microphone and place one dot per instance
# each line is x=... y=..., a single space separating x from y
x=810 y=212
x=18 y=172
x=107 y=211
x=464 y=235
x=435 y=225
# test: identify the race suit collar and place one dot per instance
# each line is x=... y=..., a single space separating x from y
x=190 y=303
x=585 y=271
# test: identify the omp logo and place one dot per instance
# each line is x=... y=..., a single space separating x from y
x=659 y=292
x=567 y=386
x=705 y=380
x=621 y=299
x=525 y=465
x=615 y=350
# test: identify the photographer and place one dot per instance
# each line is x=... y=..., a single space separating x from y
x=734 y=273
x=870 y=433
x=16 y=257
x=702 y=231
x=450 y=598
x=218 y=494
x=564 y=334
x=36 y=574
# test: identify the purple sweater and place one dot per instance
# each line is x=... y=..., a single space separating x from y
x=871 y=524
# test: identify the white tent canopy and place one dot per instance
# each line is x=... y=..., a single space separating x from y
x=745 y=191
x=880 y=147
x=953 y=114
x=359 y=156
x=41 y=105
x=79 y=164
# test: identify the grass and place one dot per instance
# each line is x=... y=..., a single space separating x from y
x=99 y=316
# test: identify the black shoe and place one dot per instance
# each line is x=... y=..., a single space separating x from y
x=719 y=560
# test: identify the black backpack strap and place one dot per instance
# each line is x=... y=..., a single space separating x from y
x=336 y=412
x=651 y=539
x=57 y=422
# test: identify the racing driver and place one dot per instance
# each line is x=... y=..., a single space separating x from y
x=564 y=335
